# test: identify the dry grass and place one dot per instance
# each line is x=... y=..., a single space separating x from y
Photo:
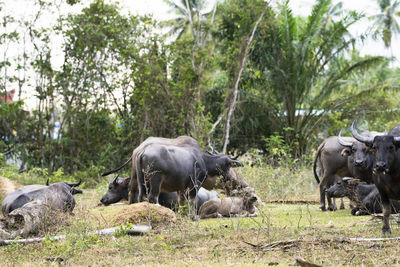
x=311 y=234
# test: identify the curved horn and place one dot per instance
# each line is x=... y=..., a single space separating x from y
x=47 y=182
x=342 y=142
x=385 y=133
x=213 y=149
x=75 y=184
x=346 y=179
x=115 y=179
x=363 y=139
x=235 y=157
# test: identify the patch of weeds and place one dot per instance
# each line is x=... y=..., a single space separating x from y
x=123 y=229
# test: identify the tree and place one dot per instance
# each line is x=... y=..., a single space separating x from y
x=385 y=23
x=301 y=64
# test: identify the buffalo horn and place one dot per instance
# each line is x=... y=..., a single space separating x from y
x=115 y=179
x=47 y=182
x=342 y=142
x=235 y=157
x=75 y=184
x=362 y=139
x=346 y=179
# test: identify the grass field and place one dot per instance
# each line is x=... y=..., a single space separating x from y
x=280 y=233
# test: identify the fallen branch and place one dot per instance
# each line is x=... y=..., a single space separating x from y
x=136 y=230
x=285 y=244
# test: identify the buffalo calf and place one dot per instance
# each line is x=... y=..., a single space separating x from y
x=226 y=207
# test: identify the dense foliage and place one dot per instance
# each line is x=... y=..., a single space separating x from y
x=295 y=80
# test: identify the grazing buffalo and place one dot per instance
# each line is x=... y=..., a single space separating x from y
x=172 y=168
x=181 y=141
x=339 y=157
x=59 y=196
x=364 y=196
x=230 y=206
x=119 y=189
x=386 y=168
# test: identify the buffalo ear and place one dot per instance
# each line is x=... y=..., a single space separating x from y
x=346 y=152
x=75 y=190
x=125 y=181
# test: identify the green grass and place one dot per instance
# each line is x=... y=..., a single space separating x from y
x=220 y=242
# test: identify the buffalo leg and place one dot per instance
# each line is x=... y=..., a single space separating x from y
x=341 y=204
x=155 y=186
x=386 y=209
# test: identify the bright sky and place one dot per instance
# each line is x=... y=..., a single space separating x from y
x=159 y=9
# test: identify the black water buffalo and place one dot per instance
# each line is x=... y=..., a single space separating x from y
x=119 y=189
x=365 y=197
x=339 y=157
x=181 y=141
x=386 y=168
x=172 y=168
x=58 y=196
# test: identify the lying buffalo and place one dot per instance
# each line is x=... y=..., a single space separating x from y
x=364 y=196
x=119 y=188
x=230 y=206
x=59 y=196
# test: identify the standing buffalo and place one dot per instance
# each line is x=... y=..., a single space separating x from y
x=174 y=168
x=386 y=168
x=59 y=196
x=181 y=141
x=338 y=157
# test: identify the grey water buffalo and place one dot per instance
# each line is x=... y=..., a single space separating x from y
x=395 y=131
x=59 y=196
x=365 y=197
x=119 y=190
x=386 y=168
x=230 y=206
x=339 y=157
x=181 y=141
x=174 y=168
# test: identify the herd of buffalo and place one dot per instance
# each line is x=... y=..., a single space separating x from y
x=365 y=168
x=370 y=165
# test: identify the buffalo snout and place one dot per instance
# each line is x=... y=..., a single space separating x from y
x=380 y=166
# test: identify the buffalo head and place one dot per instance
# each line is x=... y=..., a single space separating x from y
x=117 y=190
x=383 y=148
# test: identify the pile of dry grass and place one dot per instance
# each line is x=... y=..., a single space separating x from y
x=145 y=213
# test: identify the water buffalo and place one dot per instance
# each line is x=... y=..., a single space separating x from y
x=226 y=207
x=119 y=189
x=172 y=168
x=365 y=197
x=181 y=141
x=58 y=196
x=386 y=168
x=339 y=157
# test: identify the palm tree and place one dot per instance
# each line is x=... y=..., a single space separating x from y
x=386 y=24
x=188 y=13
x=304 y=62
